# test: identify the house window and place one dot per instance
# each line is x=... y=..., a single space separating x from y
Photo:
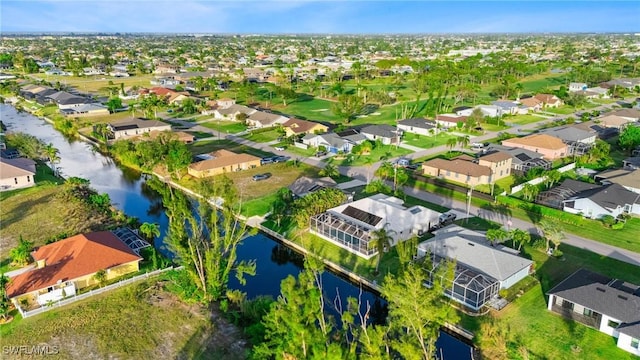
x=448 y=173
x=28 y=178
x=567 y=304
x=587 y=312
x=16 y=180
x=613 y=324
x=634 y=343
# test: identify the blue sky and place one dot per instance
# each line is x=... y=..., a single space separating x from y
x=305 y=16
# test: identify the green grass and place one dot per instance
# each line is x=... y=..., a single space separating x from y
x=259 y=206
x=310 y=151
x=477 y=224
x=377 y=154
x=426 y=142
x=562 y=110
x=207 y=146
x=524 y=119
x=125 y=323
x=263 y=136
x=225 y=127
x=548 y=81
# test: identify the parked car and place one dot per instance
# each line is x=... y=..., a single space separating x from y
x=279 y=159
x=321 y=153
x=267 y=160
x=447 y=217
x=280 y=148
x=258 y=177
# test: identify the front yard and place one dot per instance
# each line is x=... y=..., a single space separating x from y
x=524 y=119
x=426 y=142
x=264 y=135
x=378 y=153
x=225 y=127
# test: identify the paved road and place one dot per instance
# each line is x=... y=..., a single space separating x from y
x=365 y=173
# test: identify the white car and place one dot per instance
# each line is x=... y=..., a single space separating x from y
x=279 y=148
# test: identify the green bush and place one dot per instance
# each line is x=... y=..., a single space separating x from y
x=608 y=220
x=558 y=253
x=539 y=243
x=617 y=226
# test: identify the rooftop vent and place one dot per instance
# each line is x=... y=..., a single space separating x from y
x=623 y=297
x=601 y=289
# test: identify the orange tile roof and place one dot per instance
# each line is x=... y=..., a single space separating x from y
x=71 y=258
x=543 y=141
x=222 y=158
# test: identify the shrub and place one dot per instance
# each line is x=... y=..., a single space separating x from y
x=608 y=220
x=558 y=253
x=617 y=226
x=539 y=243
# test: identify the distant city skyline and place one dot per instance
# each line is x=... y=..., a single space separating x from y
x=326 y=17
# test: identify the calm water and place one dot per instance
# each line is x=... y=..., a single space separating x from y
x=129 y=193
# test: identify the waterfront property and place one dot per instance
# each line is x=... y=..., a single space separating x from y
x=351 y=225
x=481 y=269
x=221 y=161
x=134 y=127
x=608 y=305
x=63 y=267
x=305 y=185
x=16 y=173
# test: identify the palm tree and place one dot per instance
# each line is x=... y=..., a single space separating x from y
x=552 y=232
x=100 y=276
x=464 y=141
x=451 y=143
x=382 y=239
x=330 y=170
x=497 y=236
x=150 y=230
x=553 y=176
x=52 y=154
x=530 y=191
x=5 y=304
x=21 y=253
x=520 y=237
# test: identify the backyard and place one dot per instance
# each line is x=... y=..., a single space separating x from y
x=427 y=142
x=379 y=152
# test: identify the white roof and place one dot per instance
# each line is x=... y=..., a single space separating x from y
x=393 y=214
x=464 y=247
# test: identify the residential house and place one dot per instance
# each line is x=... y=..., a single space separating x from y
x=532 y=104
x=614 y=121
x=66 y=100
x=5 y=76
x=85 y=110
x=460 y=170
x=608 y=305
x=602 y=132
x=481 y=270
x=602 y=93
x=549 y=146
x=555 y=196
x=89 y=71
x=386 y=134
x=450 y=120
x=630 y=179
x=296 y=127
x=350 y=225
x=305 y=185
x=167 y=69
x=166 y=82
x=341 y=142
x=16 y=173
x=509 y=107
x=630 y=114
x=231 y=113
x=420 y=126
x=492 y=110
x=134 y=127
x=612 y=199
x=463 y=110
x=575 y=87
x=578 y=141
x=522 y=160
x=177 y=135
x=225 y=103
x=65 y=266
x=499 y=162
x=261 y=119
x=548 y=100
x=220 y=162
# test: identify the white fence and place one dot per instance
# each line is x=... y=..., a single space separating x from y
x=538 y=180
x=69 y=300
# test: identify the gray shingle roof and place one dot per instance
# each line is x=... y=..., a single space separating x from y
x=386 y=131
x=568 y=133
x=420 y=123
x=593 y=291
x=610 y=196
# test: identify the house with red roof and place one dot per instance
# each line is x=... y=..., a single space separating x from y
x=63 y=267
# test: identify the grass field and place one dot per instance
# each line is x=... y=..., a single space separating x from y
x=523 y=119
x=426 y=142
x=263 y=136
x=225 y=127
x=140 y=321
x=37 y=214
x=539 y=82
x=207 y=146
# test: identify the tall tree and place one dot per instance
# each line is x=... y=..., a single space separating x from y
x=530 y=191
x=497 y=236
x=150 y=230
x=552 y=232
x=347 y=107
x=52 y=154
x=21 y=254
x=520 y=237
x=205 y=238
x=552 y=177
x=383 y=240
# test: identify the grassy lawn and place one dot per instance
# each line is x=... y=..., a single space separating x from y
x=523 y=119
x=562 y=110
x=138 y=321
x=541 y=81
x=311 y=109
x=37 y=215
x=263 y=136
x=282 y=175
x=225 y=127
x=259 y=206
x=207 y=146
x=426 y=142
x=377 y=154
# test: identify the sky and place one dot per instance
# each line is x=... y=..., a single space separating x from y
x=307 y=16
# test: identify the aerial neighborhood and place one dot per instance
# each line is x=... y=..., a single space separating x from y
x=492 y=180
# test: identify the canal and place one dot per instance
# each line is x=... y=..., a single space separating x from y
x=129 y=193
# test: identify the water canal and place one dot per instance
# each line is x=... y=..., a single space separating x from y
x=129 y=193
